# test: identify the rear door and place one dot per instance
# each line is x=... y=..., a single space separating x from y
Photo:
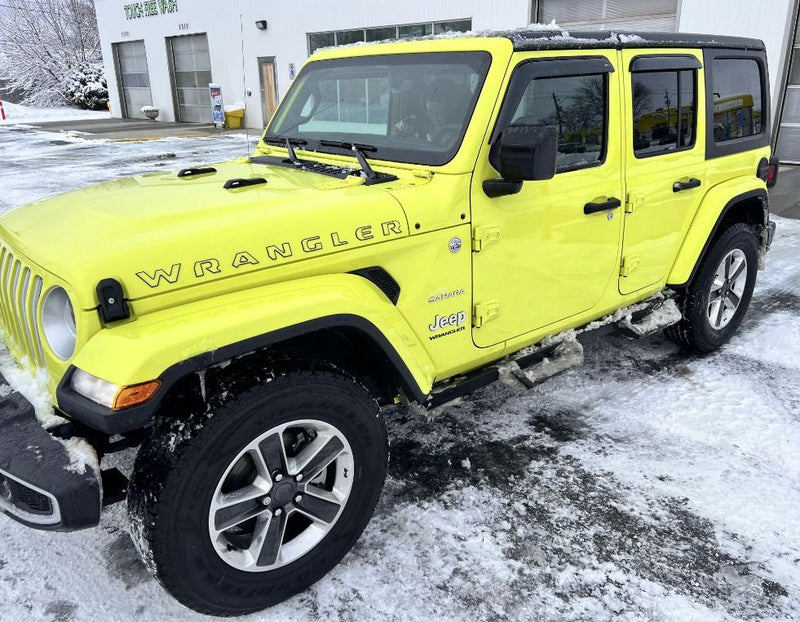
x=549 y=251
x=665 y=159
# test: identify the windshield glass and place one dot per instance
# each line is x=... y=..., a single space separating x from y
x=412 y=108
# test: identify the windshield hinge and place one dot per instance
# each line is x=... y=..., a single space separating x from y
x=485 y=312
x=483 y=237
x=421 y=173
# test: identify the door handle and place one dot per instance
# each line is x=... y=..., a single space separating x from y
x=679 y=185
x=609 y=203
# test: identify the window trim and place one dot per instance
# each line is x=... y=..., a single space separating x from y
x=663 y=62
x=694 y=117
x=557 y=67
x=716 y=149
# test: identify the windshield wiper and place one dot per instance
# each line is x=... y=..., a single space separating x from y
x=289 y=143
x=358 y=150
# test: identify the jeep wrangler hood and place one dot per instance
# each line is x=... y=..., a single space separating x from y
x=157 y=232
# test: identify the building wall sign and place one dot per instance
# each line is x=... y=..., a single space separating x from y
x=150 y=8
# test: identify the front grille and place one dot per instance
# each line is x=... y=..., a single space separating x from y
x=30 y=500
x=20 y=294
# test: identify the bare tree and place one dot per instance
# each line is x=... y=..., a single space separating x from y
x=42 y=41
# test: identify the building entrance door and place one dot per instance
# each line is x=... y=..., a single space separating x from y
x=269 y=86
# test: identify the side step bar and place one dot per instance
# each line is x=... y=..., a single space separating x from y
x=535 y=364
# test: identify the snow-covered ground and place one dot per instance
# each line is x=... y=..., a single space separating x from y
x=17 y=113
x=644 y=485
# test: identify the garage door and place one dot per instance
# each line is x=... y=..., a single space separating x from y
x=788 y=148
x=611 y=14
x=134 y=80
x=191 y=75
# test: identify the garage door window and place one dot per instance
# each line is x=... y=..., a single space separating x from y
x=191 y=67
x=134 y=80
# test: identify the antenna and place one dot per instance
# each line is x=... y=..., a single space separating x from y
x=244 y=88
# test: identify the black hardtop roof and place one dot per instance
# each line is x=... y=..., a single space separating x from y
x=543 y=38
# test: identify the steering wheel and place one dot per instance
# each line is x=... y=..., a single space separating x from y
x=446 y=135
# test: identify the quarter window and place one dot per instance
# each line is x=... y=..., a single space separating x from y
x=664 y=111
x=576 y=106
x=737 y=98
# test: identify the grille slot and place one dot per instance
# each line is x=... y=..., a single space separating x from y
x=20 y=295
x=30 y=500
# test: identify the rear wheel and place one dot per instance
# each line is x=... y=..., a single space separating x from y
x=715 y=303
x=240 y=510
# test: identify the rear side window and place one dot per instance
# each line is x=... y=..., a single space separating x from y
x=576 y=106
x=664 y=111
x=737 y=101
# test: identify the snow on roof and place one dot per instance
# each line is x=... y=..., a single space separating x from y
x=552 y=36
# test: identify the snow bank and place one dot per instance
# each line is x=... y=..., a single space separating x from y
x=17 y=113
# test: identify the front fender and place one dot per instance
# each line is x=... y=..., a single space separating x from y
x=717 y=201
x=169 y=344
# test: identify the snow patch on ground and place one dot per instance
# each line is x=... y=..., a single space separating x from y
x=647 y=484
x=17 y=113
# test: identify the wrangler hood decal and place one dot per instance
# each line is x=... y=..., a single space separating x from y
x=159 y=232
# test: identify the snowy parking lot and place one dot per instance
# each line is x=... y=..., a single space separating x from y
x=645 y=485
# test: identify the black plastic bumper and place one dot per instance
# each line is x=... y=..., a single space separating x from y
x=39 y=486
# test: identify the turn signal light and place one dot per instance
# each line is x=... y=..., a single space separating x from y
x=136 y=394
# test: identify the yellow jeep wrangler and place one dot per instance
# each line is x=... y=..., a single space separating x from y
x=419 y=219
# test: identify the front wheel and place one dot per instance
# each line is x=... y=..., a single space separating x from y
x=715 y=303
x=241 y=510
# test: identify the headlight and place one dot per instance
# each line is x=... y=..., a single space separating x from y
x=97 y=390
x=58 y=323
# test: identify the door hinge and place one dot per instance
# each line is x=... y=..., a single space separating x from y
x=485 y=312
x=628 y=265
x=634 y=200
x=483 y=237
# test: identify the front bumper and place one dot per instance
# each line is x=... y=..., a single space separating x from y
x=39 y=484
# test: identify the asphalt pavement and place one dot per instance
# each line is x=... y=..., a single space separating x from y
x=133 y=129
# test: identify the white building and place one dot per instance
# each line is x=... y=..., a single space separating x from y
x=165 y=52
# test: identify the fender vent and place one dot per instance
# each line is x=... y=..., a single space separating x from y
x=382 y=280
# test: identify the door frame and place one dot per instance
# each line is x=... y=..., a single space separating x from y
x=263 y=60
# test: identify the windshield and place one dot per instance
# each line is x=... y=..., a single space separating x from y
x=412 y=108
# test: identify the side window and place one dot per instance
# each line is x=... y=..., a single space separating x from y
x=664 y=111
x=576 y=105
x=738 y=111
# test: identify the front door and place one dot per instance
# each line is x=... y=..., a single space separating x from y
x=269 y=87
x=550 y=251
x=665 y=157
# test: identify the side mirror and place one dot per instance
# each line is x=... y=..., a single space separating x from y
x=522 y=153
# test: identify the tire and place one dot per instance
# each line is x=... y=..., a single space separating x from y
x=711 y=313
x=187 y=469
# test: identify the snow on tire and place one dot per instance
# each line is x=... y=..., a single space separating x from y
x=240 y=510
